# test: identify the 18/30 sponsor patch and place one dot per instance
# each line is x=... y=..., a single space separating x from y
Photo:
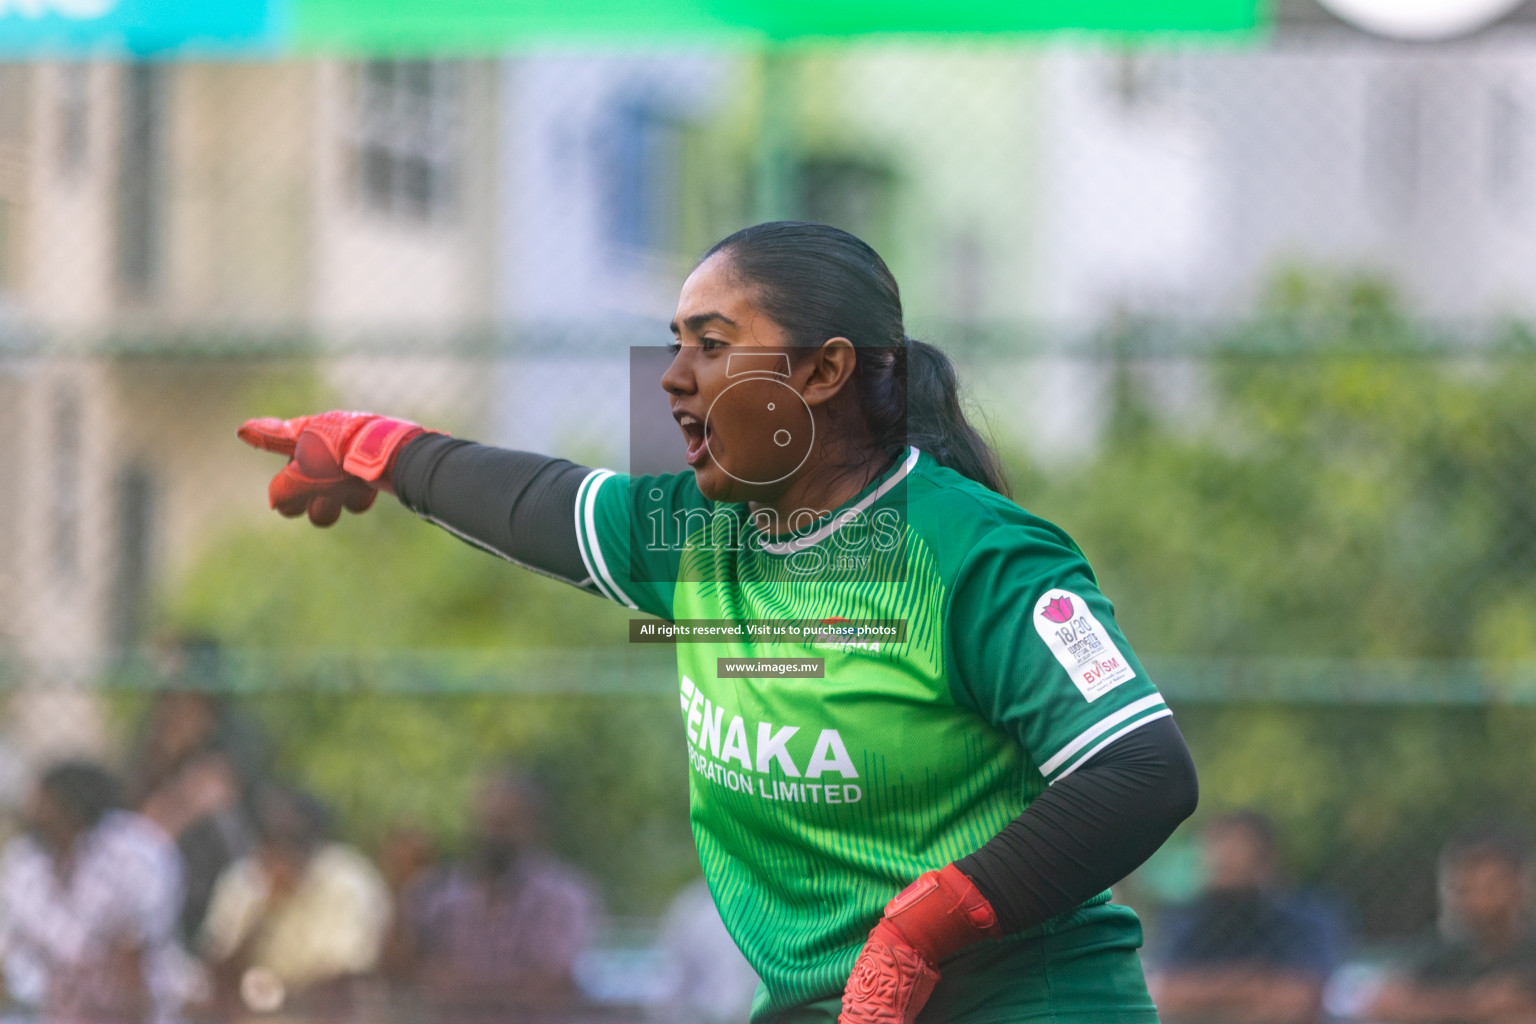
x=1081 y=643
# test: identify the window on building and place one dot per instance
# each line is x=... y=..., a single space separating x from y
x=11 y=504
x=73 y=116
x=13 y=103
x=1135 y=80
x=135 y=556
x=64 y=520
x=13 y=109
x=141 y=179
x=1511 y=159
x=964 y=275
x=856 y=194
x=1393 y=145
x=405 y=148
x=645 y=177
x=8 y=243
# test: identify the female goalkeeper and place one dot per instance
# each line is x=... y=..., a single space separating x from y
x=926 y=828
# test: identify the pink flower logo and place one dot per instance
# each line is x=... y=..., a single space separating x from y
x=1059 y=609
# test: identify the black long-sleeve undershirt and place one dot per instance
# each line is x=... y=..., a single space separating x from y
x=1088 y=830
x=1083 y=834
x=518 y=505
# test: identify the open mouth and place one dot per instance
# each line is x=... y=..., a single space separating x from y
x=697 y=436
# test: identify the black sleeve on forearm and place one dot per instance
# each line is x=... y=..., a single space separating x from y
x=518 y=505
x=1088 y=830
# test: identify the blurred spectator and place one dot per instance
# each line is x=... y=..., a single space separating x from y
x=189 y=786
x=408 y=852
x=1480 y=965
x=1245 y=949
x=505 y=927
x=708 y=980
x=88 y=901
x=192 y=716
x=194 y=765
x=302 y=916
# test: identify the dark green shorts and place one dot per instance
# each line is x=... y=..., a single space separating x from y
x=1085 y=970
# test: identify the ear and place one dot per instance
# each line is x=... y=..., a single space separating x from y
x=831 y=368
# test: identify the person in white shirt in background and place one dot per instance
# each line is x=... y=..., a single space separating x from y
x=707 y=980
x=88 y=901
x=301 y=918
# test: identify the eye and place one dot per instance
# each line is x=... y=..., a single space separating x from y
x=710 y=344
x=675 y=347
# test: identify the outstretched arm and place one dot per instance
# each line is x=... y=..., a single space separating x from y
x=518 y=505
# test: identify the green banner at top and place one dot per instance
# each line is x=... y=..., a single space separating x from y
x=374 y=25
x=358 y=27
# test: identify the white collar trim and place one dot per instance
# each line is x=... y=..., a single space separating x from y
x=795 y=544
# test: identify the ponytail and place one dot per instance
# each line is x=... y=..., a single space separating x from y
x=818 y=282
x=936 y=422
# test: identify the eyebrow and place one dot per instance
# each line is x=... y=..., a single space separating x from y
x=699 y=321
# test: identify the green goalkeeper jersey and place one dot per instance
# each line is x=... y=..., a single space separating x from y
x=815 y=800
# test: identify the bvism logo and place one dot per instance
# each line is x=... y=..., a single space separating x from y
x=1081 y=643
x=724 y=755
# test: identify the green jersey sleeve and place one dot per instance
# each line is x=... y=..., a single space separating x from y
x=630 y=531
x=1037 y=652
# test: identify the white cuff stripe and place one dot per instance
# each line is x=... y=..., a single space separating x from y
x=586 y=524
x=583 y=545
x=1165 y=713
x=1090 y=734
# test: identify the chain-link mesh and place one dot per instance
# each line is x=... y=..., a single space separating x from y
x=1247 y=323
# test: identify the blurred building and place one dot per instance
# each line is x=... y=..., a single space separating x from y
x=610 y=184
x=157 y=216
x=1199 y=174
x=1043 y=194
x=1059 y=185
x=621 y=170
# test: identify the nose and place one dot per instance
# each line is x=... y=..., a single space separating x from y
x=678 y=378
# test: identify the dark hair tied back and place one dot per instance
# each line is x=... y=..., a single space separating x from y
x=936 y=422
x=819 y=282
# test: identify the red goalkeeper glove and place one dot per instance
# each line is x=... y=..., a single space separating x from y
x=939 y=914
x=336 y=460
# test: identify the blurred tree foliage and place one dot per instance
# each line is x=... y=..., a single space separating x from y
x=1369 y=497
x=1352 y=497
x=295 y=600
x=377 y=581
